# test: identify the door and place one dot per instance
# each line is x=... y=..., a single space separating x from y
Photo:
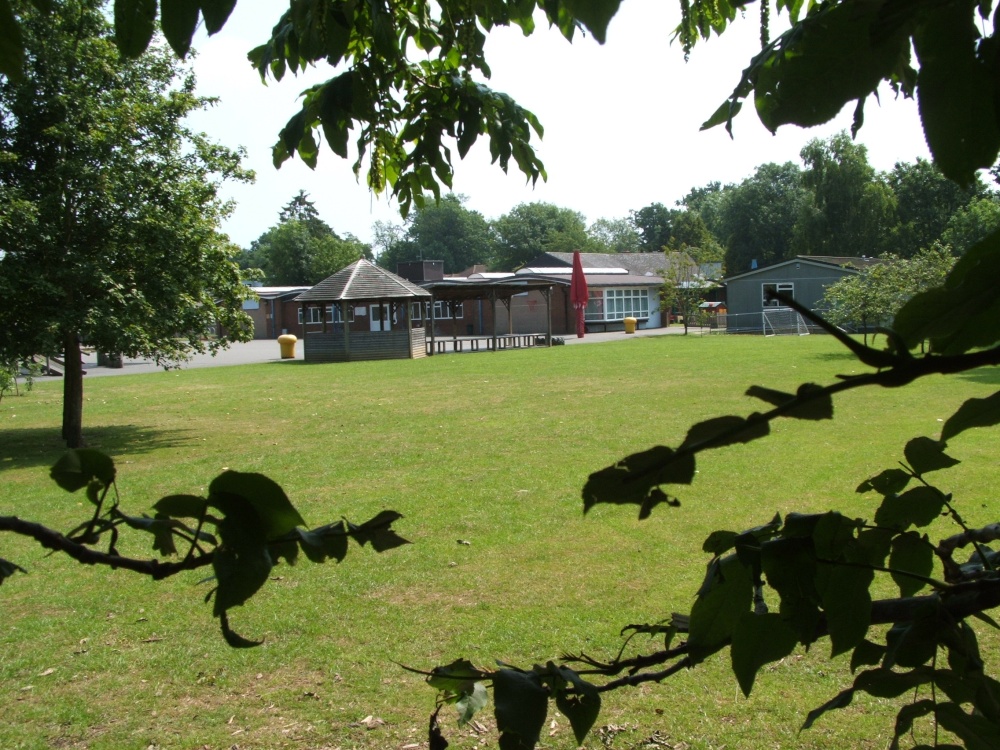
x=378 y=313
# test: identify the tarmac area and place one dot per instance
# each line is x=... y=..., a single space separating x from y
x=267 y=350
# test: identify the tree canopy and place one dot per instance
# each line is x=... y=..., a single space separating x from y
x=445 y=231
x=531 y=229
x=109 y=206
x=302 y=248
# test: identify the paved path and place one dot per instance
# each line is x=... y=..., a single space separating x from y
x=267 y=350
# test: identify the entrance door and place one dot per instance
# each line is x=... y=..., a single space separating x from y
x=378 y=313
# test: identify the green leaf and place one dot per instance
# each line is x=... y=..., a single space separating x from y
x=976 y=412
x=962 y=314
x=913 y=644
x=455 y=677
x=725 y=595
x=924 y=455
x=911 y=553
x=7 y=569
x=520 y=704
x=135 y=21
x=277 y=515
x=582 y=707
x=847 y=604
x=956 y=92
x=471 y=702
x=242 y=562
x=76 y=468
x=916 y=507
x=324 y=543
x=594 y=14
x=216 y=13
x=11 y=44
x=160 y=528
x=889 y=482
x=759 y=640
x=789 y=565
x=976 y=732
x=831 y=58
x=178 y=20
x=632 y=480
x=181 y=506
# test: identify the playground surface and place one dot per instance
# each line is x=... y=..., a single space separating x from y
x=267 y=350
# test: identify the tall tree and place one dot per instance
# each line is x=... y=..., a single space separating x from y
x=851 y=210
x=109 y=206
x=971 y=223
x=925 y=202
x=614 y=236
x=302 y=248
x=530 y=229
x=757 y=218
x=689 y=234
x=655 y=225
x=447 y=231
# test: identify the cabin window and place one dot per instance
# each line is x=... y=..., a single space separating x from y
x=334 y=315
x=786 y=288
x=313 y=315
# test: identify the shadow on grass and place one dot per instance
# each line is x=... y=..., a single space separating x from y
x=37 y=446
x=984 y=375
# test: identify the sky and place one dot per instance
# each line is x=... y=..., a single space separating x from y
x=621 y=122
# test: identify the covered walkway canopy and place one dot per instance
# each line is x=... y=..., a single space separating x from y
x=492 y=287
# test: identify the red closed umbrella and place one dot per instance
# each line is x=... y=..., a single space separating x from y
x=578 y=293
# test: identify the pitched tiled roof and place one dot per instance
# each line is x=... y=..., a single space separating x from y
x=362 y=280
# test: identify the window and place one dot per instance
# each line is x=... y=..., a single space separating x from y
x=417 y=310
x=444 y=309
x=333 y=314
x=313 y=315
x=787 y=288
x=617 y=304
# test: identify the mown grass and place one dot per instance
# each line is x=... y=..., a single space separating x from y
x=491 y=449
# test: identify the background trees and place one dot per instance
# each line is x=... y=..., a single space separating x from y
x=446 y=231
x=530 y=229
x=302 y=248
x=756 y=219
x=109 y=209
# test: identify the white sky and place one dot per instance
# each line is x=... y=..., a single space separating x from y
x=621 y=122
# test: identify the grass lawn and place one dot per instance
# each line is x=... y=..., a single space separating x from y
x=490 y=448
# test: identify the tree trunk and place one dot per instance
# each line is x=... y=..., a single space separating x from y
x=72 y=427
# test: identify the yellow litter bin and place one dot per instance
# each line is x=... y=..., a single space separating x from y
x=630 y=325
x=287 y=343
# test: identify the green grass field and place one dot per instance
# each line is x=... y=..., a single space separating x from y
x=491 y=448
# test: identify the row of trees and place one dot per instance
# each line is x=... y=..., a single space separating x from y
x=836 y=203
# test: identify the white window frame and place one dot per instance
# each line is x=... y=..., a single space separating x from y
x=617 y=303
x=455 y=311
x=315 y=315
x=778 y=286
x=333 y=314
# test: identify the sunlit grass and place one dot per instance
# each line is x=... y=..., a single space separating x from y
x=491 y=449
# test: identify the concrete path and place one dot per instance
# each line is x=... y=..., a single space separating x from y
x=267 y=350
